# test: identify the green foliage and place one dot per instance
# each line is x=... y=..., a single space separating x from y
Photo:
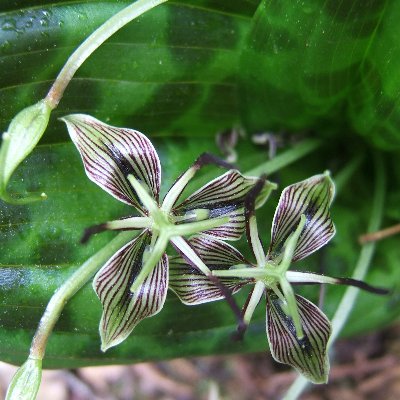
x=179 y=74
x=324 y=66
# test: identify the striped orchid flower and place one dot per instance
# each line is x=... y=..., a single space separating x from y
x=133 y=284
x=297 y=330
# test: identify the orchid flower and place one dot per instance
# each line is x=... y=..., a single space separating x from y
x=297 y=330
x=133 y=284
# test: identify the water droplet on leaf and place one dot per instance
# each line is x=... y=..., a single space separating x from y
x=9 y=25
x=5 y=46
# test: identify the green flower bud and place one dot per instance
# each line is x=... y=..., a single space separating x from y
x=26 y=381
x=24 y=132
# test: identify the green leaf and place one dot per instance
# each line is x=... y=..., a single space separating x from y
x=41 y=249
x=324 y=66
x=374 y=104
x=171 y=70
x=183 y=101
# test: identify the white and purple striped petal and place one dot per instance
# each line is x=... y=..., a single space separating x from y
x=224 y=196
x=192 y=286
x=308 y=355
x=110 y=154
x=122 y=309
x=311 y=197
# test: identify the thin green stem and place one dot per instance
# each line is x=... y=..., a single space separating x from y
x=185 y=249
x=255 y=242
x=154 y=256
x=309 y=277
x=296 y=388
x=144 y=196
x=75 y=282
x=192 y=228
x=347 y=172
x=367 y=251
x=291 y=244
x=254 y=300
x=130 y=223
x=292 y=309
x=286 y=158
x=95 y=40
x=241 y=273
x=176 y=189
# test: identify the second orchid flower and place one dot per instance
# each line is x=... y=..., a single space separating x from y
x=298 y=332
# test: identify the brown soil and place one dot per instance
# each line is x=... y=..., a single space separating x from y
x=363 y=368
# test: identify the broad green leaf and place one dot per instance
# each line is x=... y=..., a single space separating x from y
x=374 y=105
x=41 y=248
x=325 y=66
x=174 y=73
x=173 y=70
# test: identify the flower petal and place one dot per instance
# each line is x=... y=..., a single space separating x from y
x=308 y=355
x=224 y=196
x=122 y=309
x=110 y=154
x=311 y=197
x=191 y=285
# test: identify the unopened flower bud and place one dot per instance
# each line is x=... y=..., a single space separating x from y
x=24 y=132
x=26 y=381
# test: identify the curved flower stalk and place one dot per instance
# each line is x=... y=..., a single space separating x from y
x=28 y=126
x=133 y=283
x=297 y=330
